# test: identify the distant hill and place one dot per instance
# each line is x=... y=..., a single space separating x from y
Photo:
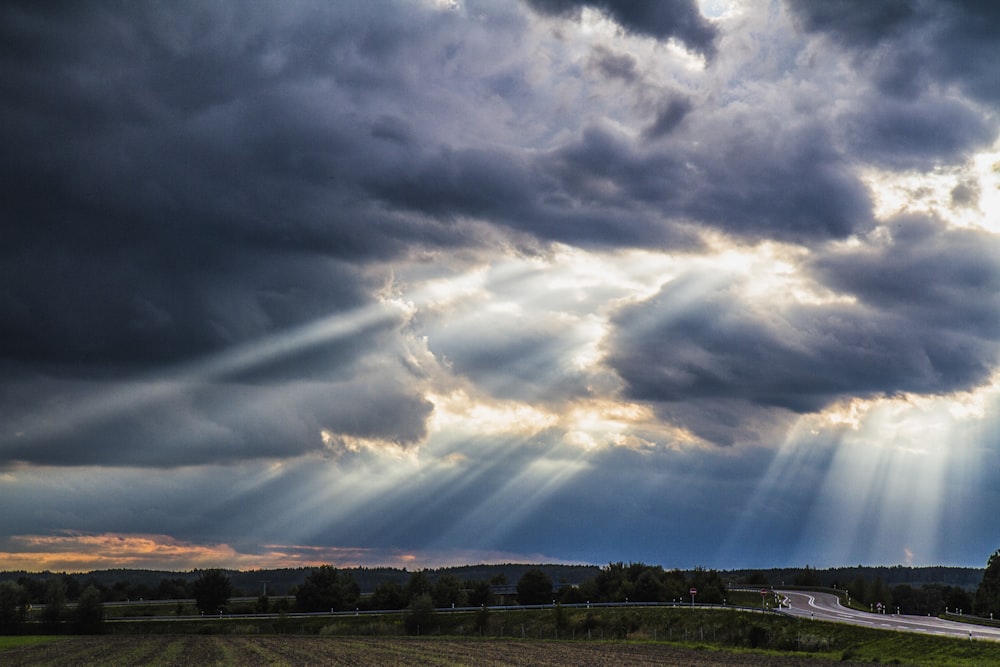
x=895 y=575
x=282 y=581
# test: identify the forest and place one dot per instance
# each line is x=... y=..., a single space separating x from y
x=77 y=598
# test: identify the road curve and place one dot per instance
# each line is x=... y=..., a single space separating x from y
x=827 y=607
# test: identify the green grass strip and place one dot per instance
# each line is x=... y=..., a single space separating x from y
x=27 y=640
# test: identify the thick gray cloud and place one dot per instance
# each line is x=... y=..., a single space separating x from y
x=856 y=22
x=922 y=320
x=911 y=44
x=680 y=20
x=934 y=276
x=916 y=133
x=753 y=182
x=474 y=258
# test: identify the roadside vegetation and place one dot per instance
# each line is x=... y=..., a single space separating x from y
x=203 y=618
x=638 y=636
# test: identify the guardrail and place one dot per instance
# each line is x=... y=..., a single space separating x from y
x=443 y=610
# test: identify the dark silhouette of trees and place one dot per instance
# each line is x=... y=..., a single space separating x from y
x=479 y=593
x=711 y=588
x=609 y=585
x=327 y=589
x=419 y=584
x=389 y=595
x=173 y=589
x=858 y=589
x=89 y=613
x=807 y=577
x=639 y=582
x=420 y=615
x=55 y=602
x=534 y=587
x=13 y=607
x=449 y=591
x=212 y=590
x=987 y=600
x=649 y=587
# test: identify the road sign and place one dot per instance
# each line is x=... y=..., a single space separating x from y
x=763 y=591
x=693 y=591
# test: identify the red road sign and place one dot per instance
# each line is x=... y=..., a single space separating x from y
x=763 y=591
x=693 y=591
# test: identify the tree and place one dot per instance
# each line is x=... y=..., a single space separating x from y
x=212 y=590
x=420 y=615
x=611 y=584
x=448 y=591
x=649 y=587
x=479 y=593
x=13 y=607
x=173 y=589
x=987 y=599
x=858 y=590
x=55 y=601
x=389 y=595
x=419 y=584
x=89 y=616
x=807 y=577
x=711 y=588
x=756 y=578
x=959 y=598
x=534 y=587
x=326 y=589
x=880 y=594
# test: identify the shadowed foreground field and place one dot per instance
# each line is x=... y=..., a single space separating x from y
x=293 y=651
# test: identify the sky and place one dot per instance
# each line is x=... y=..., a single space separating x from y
x=419 y=283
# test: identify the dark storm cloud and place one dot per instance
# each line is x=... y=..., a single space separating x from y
x=181 y=182
x=195 y=424
x=680 y=20
x=911 y=44
x=913 y=55
x=746 y=178
x=247 y=245
x=945 y=280
x=530 y=194
x=188 y=143
x=671 y=112
x=152 y=183
x=614 y=65
x=856 y=22
x=920 y=133
x=924 y=321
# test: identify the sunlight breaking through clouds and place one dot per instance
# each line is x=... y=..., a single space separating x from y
x=897 y=465
x=389 y=280
x=966 y=195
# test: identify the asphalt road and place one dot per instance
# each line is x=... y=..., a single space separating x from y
x=827 y=607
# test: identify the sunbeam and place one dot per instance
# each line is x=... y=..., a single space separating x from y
x=496 y=515
x=130 y=395
x=890 y=485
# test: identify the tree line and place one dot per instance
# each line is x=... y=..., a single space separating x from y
x=330 y=589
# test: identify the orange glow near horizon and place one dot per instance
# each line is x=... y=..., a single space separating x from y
x=80 y=553
x=74 y=552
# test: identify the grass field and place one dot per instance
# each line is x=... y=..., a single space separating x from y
x=166 y=650
x=29 y=640
x=558 y=636
x=879 y=647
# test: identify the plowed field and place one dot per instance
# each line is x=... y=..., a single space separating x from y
x=200 y=650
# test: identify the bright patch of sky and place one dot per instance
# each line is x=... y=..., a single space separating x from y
x=442 y=281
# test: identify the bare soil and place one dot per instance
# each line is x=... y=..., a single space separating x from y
x=295 y=651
